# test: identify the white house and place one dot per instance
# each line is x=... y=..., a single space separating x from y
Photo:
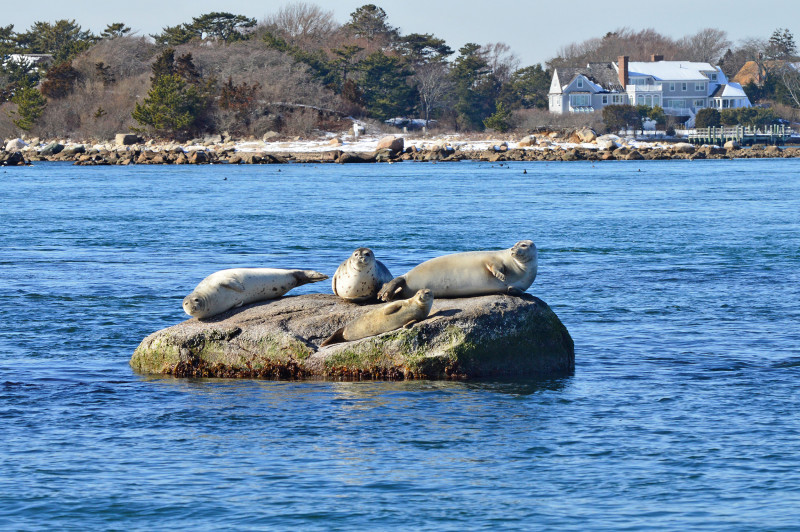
x=681 y=88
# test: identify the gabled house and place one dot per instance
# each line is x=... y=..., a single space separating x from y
x=681 y=88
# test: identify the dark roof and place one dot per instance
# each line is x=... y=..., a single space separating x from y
x=718 y=91
x=604 y=74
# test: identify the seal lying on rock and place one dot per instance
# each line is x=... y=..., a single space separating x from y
x=227 y=289
x=386 y=318
x=474 y=273
x=360 y=277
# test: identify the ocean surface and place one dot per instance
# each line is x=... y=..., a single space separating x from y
x=678 y=281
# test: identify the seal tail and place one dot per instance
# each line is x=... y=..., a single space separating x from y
x=335 y=338
x=309 y=276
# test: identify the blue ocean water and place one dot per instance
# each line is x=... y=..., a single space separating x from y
x=678 y=281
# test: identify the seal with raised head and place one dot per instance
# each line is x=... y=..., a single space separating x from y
x=386 y=318
x=360 y=276
x=227 y=289
x=473 y=273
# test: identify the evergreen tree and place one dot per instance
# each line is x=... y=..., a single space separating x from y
x=30 y=106
x=618 y=117
x=369 y=22
x=117 y=29
x=8 y=42
x=418 y=48
x=781 y=44
x=500 y=120
x=176 y=35
x=474 y=90
x=64 y=39
x=527 y=88
x=172 y=107
x=384 y=82
x=223 y=26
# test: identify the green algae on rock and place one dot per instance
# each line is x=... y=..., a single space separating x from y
x=487 y=336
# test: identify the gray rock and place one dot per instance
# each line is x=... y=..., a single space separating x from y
x=270 y=135
x=74 y=150
x=126 y=139
x=488 y=336
x=54 y=148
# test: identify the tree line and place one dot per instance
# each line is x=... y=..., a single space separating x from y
x=224 y=71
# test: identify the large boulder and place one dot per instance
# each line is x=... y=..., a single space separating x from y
x=54 y=148
x=584 y=134
x=127 y=139
x=488 y=336
x=396 y=144
x=683 y=147
x=15 y=145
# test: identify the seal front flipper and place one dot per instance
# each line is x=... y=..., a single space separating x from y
x=233 y=283
x=335 y=338
x=392 y=308
x=497 y=269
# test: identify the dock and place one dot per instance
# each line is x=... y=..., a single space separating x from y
x=744 y=135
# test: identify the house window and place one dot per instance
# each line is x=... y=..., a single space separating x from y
x=605 y=99
x=699 y=86
x=656 y=100
x=699 y=103
x=580 y=83
x=672 y=87
x=640 y=100
x=713 y=77
x=579 y=100
x=684 y=86
x=618 y=99
x=726 y=104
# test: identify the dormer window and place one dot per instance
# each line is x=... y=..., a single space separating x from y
x=580 y=83
x=713 y=77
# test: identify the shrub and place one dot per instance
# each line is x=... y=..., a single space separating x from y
x=707 y=117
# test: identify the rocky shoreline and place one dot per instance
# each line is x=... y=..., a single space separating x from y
x=130 y=150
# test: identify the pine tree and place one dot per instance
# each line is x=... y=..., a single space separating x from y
x=171 y=107
x=30 y=106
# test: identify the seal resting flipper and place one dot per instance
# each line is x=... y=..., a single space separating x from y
x=392 y=308
x=410 y=324
x=497 y=269
x=335 y=338
x=234 y=284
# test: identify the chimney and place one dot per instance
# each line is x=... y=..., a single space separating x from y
x=655 y=58
x=623 y=70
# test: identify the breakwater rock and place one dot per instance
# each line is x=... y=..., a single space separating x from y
x=487 y=336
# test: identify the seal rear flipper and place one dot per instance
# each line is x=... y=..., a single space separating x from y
x=308 y=276
x=335 y=338
x=390 y=290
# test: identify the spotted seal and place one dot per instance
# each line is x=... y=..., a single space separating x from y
x=227 y=289
x=360 y=276
x=387 y=318
x=474 y=273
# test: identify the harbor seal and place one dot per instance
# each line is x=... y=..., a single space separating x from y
x=227 y=289
x=386 y=318
x=360 y=276
x=474 y=273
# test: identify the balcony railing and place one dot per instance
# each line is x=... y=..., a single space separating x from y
x=657 y=87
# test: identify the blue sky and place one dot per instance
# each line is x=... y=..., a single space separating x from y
x=534 y=29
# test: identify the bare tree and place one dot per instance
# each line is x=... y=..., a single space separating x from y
x=501 y=60
x=790 y=77
x=302 y=24
x=706 y=46
x=433 y=84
